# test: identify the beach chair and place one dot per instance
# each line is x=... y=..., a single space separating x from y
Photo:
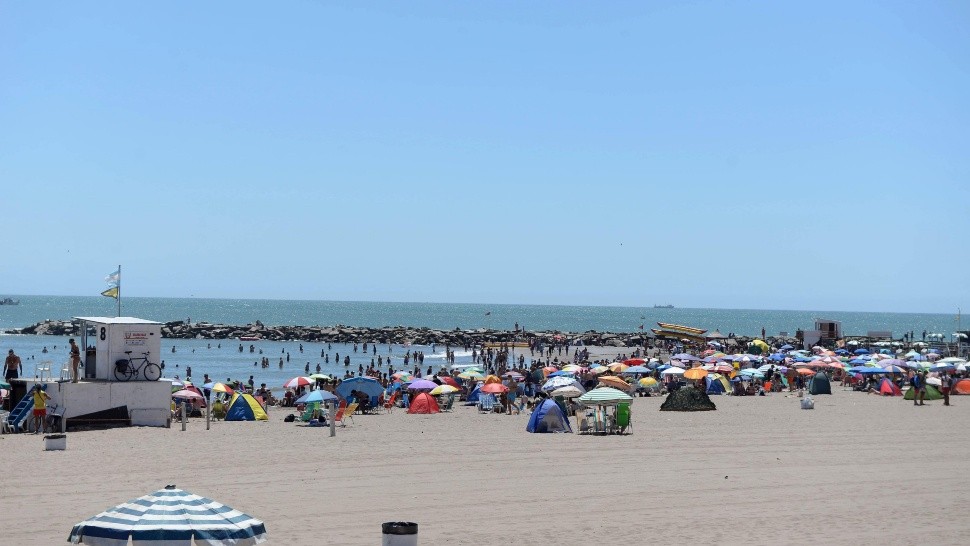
x=449 y=402
x=486 y=403
x=582 y=422
x=308 y=414
x=349 y=411
x=600 y=421
x=341 y=415
x=623 y=417
x=389 y=404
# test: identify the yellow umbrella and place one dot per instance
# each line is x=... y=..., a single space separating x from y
x=492 y=379
x=695 y=373
x=572 y=368
x=648 y=382
x=618 y=367
x=615 y=382
x=471 y=374
x=443 y=389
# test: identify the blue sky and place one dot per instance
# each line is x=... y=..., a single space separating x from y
x=771 y=155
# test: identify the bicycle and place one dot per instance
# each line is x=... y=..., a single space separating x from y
x=125 y=369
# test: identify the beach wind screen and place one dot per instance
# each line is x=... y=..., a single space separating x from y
x=170 y=517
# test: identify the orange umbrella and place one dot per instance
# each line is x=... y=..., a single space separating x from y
x=615 y=382
x=695 y=373
x=618 y=367
x=492 y=379
x=805 y=371
x=495 y=388
x=548 y=370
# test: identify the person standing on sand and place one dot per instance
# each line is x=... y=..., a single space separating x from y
x=12 y=367
x=75 y=360
x=946 y=382
x=40 y=408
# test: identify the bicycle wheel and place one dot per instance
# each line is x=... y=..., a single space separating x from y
x=152 y=372
x=123 y=371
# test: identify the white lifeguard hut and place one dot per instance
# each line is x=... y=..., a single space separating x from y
x=103 y=396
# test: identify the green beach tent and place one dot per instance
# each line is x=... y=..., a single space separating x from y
x=932 y=393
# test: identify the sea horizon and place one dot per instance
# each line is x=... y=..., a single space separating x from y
x=364 y=313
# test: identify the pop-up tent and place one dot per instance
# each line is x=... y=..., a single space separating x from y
x=888 y=388
x=369 y=386
x=820 y=384
x=473 y=397
x=423 y=403
x=716 y=384
x=932 y=393
x=244 y=407
x=548 y=417
x=961 y=386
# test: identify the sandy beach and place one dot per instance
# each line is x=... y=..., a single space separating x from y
x=859 y=469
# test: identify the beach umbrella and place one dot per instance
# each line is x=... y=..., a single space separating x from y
x=492 y=379
x=422 y=385
x=443 y=389
x=571 y=368
x=935 y=381
x=170 y=517
x=861 y=351
x=567 y=392
x=617 y=367
x=952 y=360
x=604 y=396
x=599 y=369
x=634 y=362
x=445 y=380
x=943 y=367
x=556 y=382
x=695 y=373
x=560 y=373
x=367 y=385
x=471 y=374
x=221 y=387
x=636 y=369
x=805 y=371
x=318 y=395
x=548 y=370
x=299 y=381
x=647 y=382
x=615 y=382
x=893 y=369
x=673 y=370
x=684 y=357
x=176 y=383
x=494 y=388
x=320 y=376
x=190 y=395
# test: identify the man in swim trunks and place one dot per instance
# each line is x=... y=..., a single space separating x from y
x=40 y=408
x=12 y=367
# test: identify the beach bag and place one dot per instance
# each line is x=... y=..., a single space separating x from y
x=808 y=403
x=289 y=418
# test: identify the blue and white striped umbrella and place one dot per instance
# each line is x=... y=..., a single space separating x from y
x=170 y=517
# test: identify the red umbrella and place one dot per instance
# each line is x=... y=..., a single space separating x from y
x=634 y=362
x=298 y=382
x=448 y=381
x=495 y=388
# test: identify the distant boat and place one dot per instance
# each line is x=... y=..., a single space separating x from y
x=9 y=301
x=668 y=306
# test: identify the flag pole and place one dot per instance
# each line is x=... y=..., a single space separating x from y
x=119 y=290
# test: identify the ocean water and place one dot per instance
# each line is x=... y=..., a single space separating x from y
x=33 y=309
x=222 y=360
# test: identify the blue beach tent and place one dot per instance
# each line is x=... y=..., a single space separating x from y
x=548 y=417
x=243 y=407
x=714 y=386
x=473 y=397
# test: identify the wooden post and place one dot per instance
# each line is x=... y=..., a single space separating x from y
x=208 y=409
x=183 y=416
x=333 y=423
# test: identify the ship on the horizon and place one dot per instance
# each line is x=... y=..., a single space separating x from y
x=9 y=301
x=668 y=306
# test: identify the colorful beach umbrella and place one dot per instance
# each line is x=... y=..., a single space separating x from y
x=422 y=385
x=172 y=517
x=299 y=381
x=222 y=387
x=187 y=394
x=443 y=389
x=615 y=382
x=604 y=396
x=647 y=382
x=494 y=388
x=695 y=373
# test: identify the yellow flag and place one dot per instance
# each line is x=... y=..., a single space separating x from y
x=111 y=292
